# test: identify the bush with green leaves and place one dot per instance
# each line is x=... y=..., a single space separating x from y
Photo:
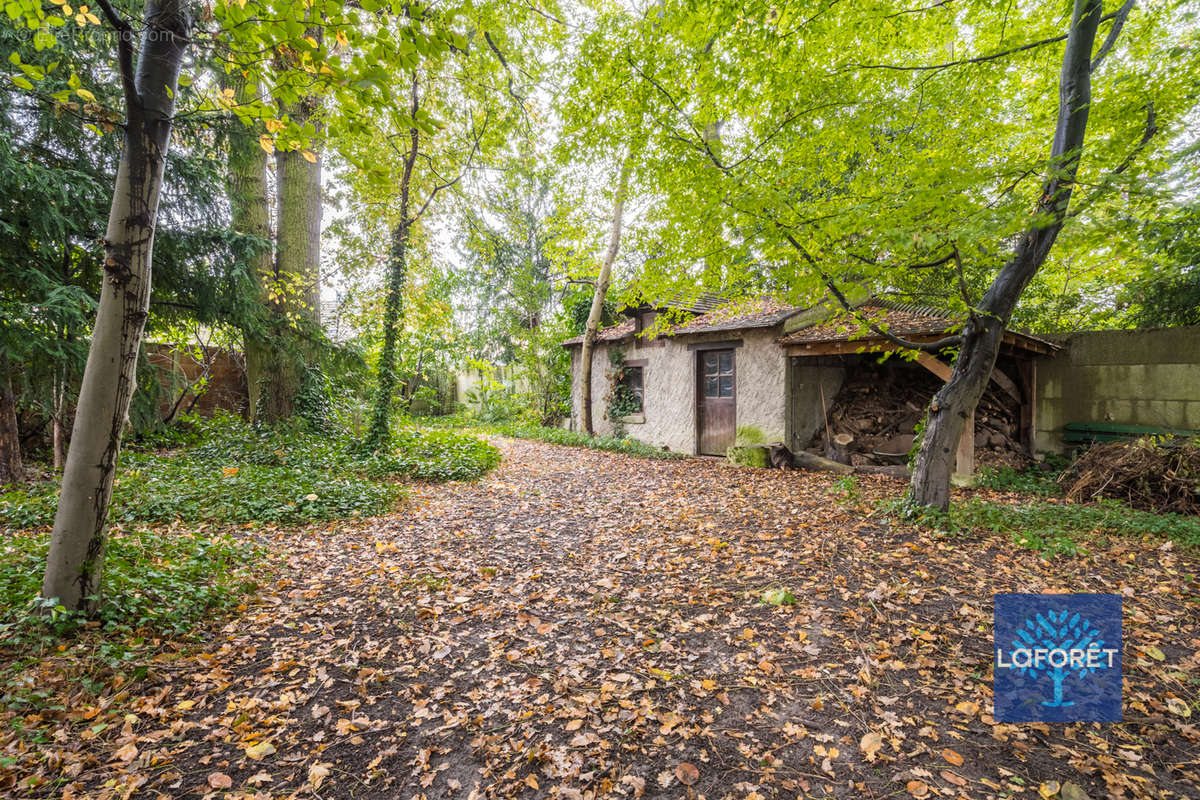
x=434 y=456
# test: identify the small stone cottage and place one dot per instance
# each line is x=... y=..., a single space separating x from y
x=776 y=373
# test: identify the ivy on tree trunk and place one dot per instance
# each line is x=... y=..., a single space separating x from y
x=74 y=564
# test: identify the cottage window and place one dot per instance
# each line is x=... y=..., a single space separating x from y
x=631 y=388
x=718 y=374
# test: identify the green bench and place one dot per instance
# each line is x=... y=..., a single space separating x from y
x=1092 y=432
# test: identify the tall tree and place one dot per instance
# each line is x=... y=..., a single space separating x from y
x=250 y=216
x=980 y=340
x=76 y=555
x=599 y=294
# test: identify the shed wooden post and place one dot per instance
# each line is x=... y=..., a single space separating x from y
x=965 y=457
x=964 y=463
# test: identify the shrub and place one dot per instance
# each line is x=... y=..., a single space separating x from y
x=434 y=456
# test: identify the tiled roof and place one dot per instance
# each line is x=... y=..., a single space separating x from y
x=700 y=304
x=897 y=319
x=614 y=334
x=906 y=320
x=761 y=313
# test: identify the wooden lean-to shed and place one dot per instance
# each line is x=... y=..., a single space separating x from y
x=837 y=383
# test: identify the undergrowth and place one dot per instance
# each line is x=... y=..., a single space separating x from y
x=1054 y=527
x=237 y=473
x=159 y=584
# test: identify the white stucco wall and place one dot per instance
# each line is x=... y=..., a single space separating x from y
x=669 y=384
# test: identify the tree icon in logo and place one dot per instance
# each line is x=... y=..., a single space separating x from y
x=1057 y=646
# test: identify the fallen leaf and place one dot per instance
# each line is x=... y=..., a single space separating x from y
x=952 y=757
x=1048 y=789
x=258 y=751
x=1155 y=653
x=1178 y=707
x=968 y=707
x=128 y=752
x=1072 y=791
x=219 y=780
x=918 y=789
x=686 y=773
x=870 y=744
x=259 y=778
x=317 y=774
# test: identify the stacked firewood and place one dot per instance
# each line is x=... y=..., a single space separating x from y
x=874 y=417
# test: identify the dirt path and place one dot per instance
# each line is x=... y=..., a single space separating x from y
x=582 y=624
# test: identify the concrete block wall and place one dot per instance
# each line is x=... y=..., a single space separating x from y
x=1131 y=377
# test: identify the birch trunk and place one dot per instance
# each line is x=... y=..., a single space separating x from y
x=74 y=565
x=954 y=404
x=601 y=291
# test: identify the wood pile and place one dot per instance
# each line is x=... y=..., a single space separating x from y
x=880 y=405
x=1147 y=474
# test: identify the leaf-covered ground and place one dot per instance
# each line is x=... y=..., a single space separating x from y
x=583 y=624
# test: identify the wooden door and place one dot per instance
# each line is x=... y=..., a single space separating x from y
x=716 y=393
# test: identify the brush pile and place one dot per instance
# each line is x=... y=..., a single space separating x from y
x=1151 y=474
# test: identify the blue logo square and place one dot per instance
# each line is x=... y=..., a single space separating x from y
x=1057 y=658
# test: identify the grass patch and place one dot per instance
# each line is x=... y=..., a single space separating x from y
x=1067 y=528
x=241 y=473
x=1026 y=481
x=579 y=439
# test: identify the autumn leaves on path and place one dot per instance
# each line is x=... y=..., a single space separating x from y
x=583 y=624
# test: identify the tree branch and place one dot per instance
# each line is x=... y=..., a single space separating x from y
x=1118 y=16
x=1118 y=23
x=125 y=55
x=929 y=347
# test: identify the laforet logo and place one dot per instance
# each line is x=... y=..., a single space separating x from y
x=1057 y=658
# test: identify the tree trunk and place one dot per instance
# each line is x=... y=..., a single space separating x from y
x=954 y=404
x=11 y=468
x=76 y=558
x=247 y=187
x=298 y=253
x=276 y=364
x=602 y=281
x=397 y=276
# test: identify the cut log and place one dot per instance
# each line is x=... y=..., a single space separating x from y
x=839 y=448
x=811 y=461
